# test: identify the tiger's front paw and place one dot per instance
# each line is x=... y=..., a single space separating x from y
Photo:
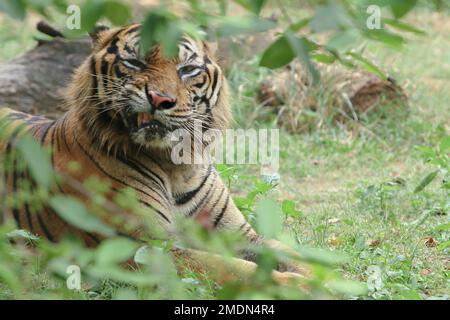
x=292 y=262
x=295 y=267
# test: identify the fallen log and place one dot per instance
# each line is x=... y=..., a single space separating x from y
x=34 y=82
x=343 y=95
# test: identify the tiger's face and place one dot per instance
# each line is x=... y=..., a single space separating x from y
x=146 y=99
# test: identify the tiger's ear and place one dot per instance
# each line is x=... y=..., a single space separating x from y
x=211 y=47
x=97 y=33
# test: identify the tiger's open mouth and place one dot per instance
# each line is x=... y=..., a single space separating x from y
x=145 y=122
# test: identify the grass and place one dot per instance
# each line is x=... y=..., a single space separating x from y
x=340 y=178
x=354 y=186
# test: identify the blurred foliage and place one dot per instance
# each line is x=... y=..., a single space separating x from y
x=33 y=267
x=343 y=24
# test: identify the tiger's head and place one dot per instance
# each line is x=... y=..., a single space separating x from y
x=125 y=100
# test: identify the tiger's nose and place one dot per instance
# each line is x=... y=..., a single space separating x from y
x=161 y=101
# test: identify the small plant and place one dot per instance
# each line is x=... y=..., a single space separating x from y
x=439 y=158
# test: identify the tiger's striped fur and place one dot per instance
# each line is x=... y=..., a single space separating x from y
x=98 y=133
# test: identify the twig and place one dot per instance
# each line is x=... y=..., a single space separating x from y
x=47 y=29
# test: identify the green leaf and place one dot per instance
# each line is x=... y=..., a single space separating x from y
x=254 y=6
x=299 y=25
x=24 y=234
x=443 y=245
x=116 y=12
x=60 y=5
x=445 y=144
x=232 y=25
x=278 y=54
x=349 y=287
x=301 y=48
x=401 y=7
x=443 y=227
x=402 y=26
x=344 y=41
x=91 y=12
x=284 y=49
x=9 y=277
x=169 y=41
x=391 y=39
x=367 y=65
x=13 y=8
x=37 y=160
x=113 y=251
x=288 y=207
x=426 y=152
x=75 y=213
x=160 y=27
x=322 y=256
x=268 y=218
x=426 y=181
x=118 y=274
x=323 y=58
x=330 y=17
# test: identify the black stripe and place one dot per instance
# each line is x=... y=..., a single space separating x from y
x=112 y=48
x=222 y=212
x=15 y=211
x=63 y=133
x=120 y=181
x=156 y=176
x=104 y=69
x=27 y=207
x=186 y=47
x=213 y=207
x=214 y=83
x=193 y=56
x=136 y=28
x=94 y=78
x=135 y=165
x=44 y=228
x=157 y=211
x=58 y=144
x=128 y=49
x=147 y=194
x=185 y=197
x=92 y=236
x=44 y=134
x=117 y=72
x=52 y=147
x=243 y=225
x=200 y=203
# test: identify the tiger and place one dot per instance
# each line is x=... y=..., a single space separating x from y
x=122 y=106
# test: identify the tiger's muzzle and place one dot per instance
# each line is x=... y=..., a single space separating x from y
x=145 y=123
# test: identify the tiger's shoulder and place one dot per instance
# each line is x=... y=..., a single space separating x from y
x=13 y=122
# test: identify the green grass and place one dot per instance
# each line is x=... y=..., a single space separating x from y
x=354 y=187
x=338 y=177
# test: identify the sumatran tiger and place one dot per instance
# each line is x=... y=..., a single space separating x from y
x=121 y=110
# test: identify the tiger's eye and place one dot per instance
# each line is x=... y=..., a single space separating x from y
x=134 y=64
x=187 y=69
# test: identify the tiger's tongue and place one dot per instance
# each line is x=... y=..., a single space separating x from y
x=143 y=117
